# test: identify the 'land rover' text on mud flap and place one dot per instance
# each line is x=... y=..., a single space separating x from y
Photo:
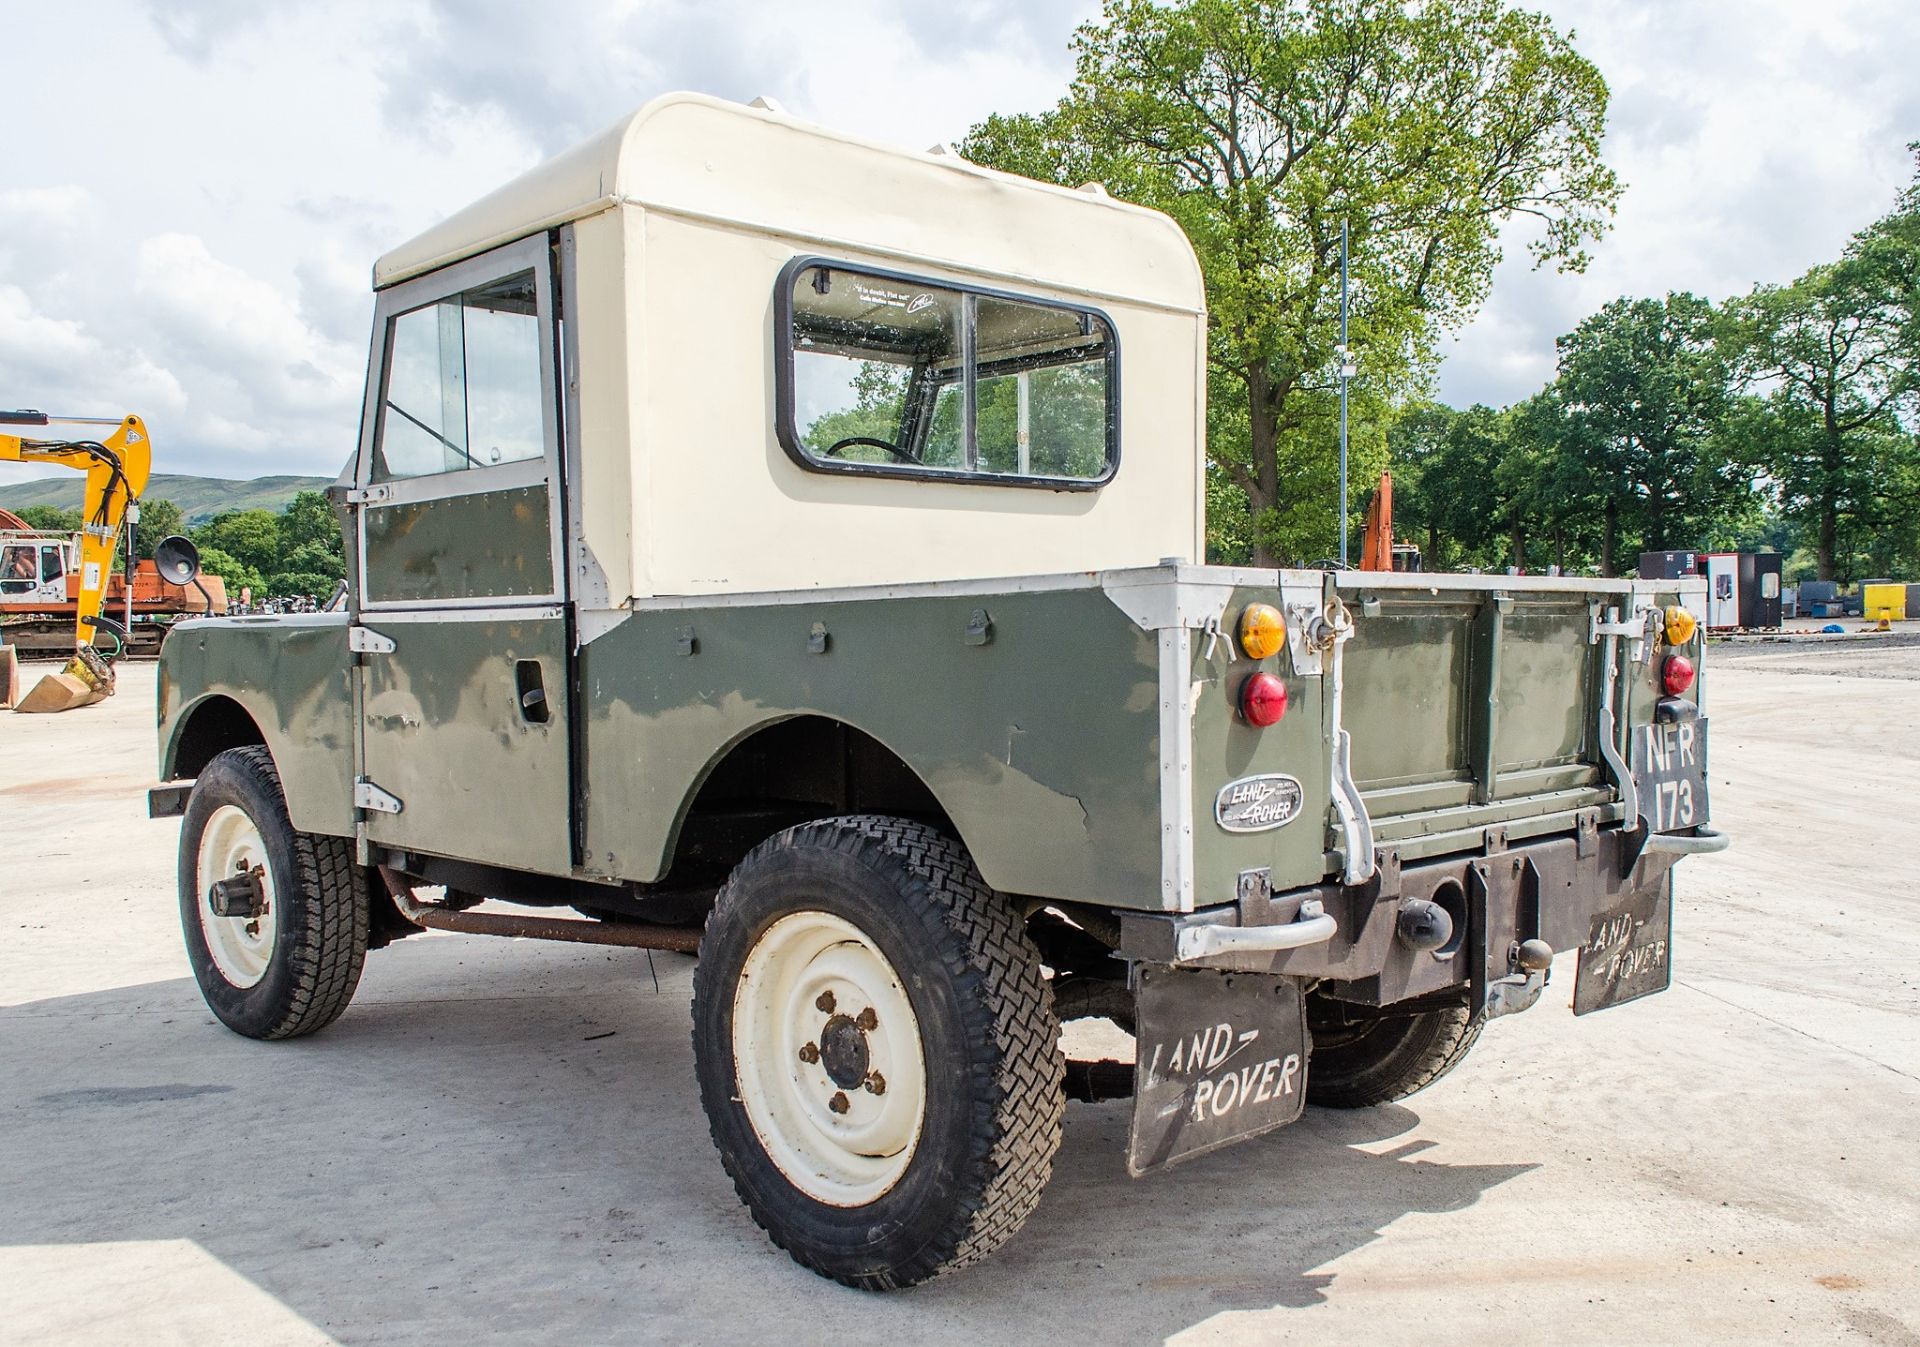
x=1220 y=1057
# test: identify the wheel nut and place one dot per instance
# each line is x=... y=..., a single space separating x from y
x=876 y=1083
x=839 y=1102
x=825 y=1003
x=867 y=1019
x=810 y=1053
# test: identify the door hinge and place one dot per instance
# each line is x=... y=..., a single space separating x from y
x=370 y=797
x=366 y=641
x=368 y=495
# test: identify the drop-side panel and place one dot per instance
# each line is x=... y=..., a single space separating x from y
x=1473 y=702
x=1409 y=688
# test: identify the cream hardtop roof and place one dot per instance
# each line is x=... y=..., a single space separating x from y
x=763 y=171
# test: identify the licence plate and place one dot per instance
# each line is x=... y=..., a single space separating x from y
x=1220 y=1057
x=1628 y=951
x=1670 y=773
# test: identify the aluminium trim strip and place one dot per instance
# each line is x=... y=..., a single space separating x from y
x=924 y=589
x=1176 y=769
x=498 y=612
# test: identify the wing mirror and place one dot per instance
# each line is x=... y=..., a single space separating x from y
x=178 y=562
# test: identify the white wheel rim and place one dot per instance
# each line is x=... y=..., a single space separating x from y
x=230 y=846
x=816 y=1001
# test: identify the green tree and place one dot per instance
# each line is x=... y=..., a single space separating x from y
x=52 y=518
x=158 y=519
x=1833 y=363
x=250 y=537
x=309 y=521
x=879 y=391
x=237 y=574
x=1420 y=489
x=1646 y=391
x=1261 y=126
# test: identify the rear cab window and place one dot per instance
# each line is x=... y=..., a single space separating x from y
x=894 y=375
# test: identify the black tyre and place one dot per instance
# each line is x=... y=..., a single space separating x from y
x=288 y=963
x=877 y=1051
x=1360 y=1060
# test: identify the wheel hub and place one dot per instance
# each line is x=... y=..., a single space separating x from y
x=843 y=1051
x=238 y=915
x=828 y=1058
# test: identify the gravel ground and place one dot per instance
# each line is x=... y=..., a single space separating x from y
x=501 y=1140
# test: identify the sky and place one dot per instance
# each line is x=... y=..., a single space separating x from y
x=192 y=192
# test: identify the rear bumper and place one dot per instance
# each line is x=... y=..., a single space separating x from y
x=1700 y=842
x=1551 y=889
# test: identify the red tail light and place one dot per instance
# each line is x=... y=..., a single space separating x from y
x=1676 y=674
x=1263 y=699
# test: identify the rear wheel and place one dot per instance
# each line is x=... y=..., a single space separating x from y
x=1364 y=1059
x=275 y=919
x=877 y=1051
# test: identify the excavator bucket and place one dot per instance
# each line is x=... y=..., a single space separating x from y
x=9 y=677
x=86 y=679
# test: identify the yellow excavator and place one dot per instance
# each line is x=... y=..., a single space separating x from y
x=117 y=465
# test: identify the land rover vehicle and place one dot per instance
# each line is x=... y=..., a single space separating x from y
x=773 y=545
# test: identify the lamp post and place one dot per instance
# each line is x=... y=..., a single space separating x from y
x=1347 y=370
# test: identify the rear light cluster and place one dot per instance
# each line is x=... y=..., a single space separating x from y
x=1262 y=630
x=1676 y=674
x=1680 y=625
x=1263 y=697
x=1676 y=670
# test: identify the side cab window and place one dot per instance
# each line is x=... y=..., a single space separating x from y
x=462 y=383
x=458 y=471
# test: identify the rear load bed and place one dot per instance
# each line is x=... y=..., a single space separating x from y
x=1475 y=702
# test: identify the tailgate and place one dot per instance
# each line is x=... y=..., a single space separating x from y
x=1474 y=702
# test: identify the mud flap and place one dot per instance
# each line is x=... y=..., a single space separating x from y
x=1220 y=1057
x=1628 y=951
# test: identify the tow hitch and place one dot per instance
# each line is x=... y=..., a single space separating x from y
x=1532 y=962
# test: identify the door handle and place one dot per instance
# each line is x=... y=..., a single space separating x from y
x=531 y=686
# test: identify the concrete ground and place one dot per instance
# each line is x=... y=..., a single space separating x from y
x=502 y=1140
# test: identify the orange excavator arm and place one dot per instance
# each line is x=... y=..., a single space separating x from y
x=1376 y=547
x=117 y=466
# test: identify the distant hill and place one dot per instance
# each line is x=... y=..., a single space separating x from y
x=199 y=498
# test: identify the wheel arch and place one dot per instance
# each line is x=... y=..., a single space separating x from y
x=791 y=768
x=208 y=727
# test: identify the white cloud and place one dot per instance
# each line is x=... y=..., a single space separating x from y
x=192 y=238
x=1754 y=138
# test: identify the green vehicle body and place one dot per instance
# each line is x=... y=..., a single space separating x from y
x=1027 y=716
x=594 y=657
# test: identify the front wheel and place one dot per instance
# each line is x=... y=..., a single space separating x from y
x=275 y=919
x=877 y=1051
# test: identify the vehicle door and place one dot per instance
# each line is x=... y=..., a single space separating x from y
x=460 y=620
x=53 y=572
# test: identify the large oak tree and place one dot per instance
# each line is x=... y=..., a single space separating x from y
x=1262 y=126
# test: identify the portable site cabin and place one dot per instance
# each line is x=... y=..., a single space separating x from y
x=1743 y=590
x=734 y=287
